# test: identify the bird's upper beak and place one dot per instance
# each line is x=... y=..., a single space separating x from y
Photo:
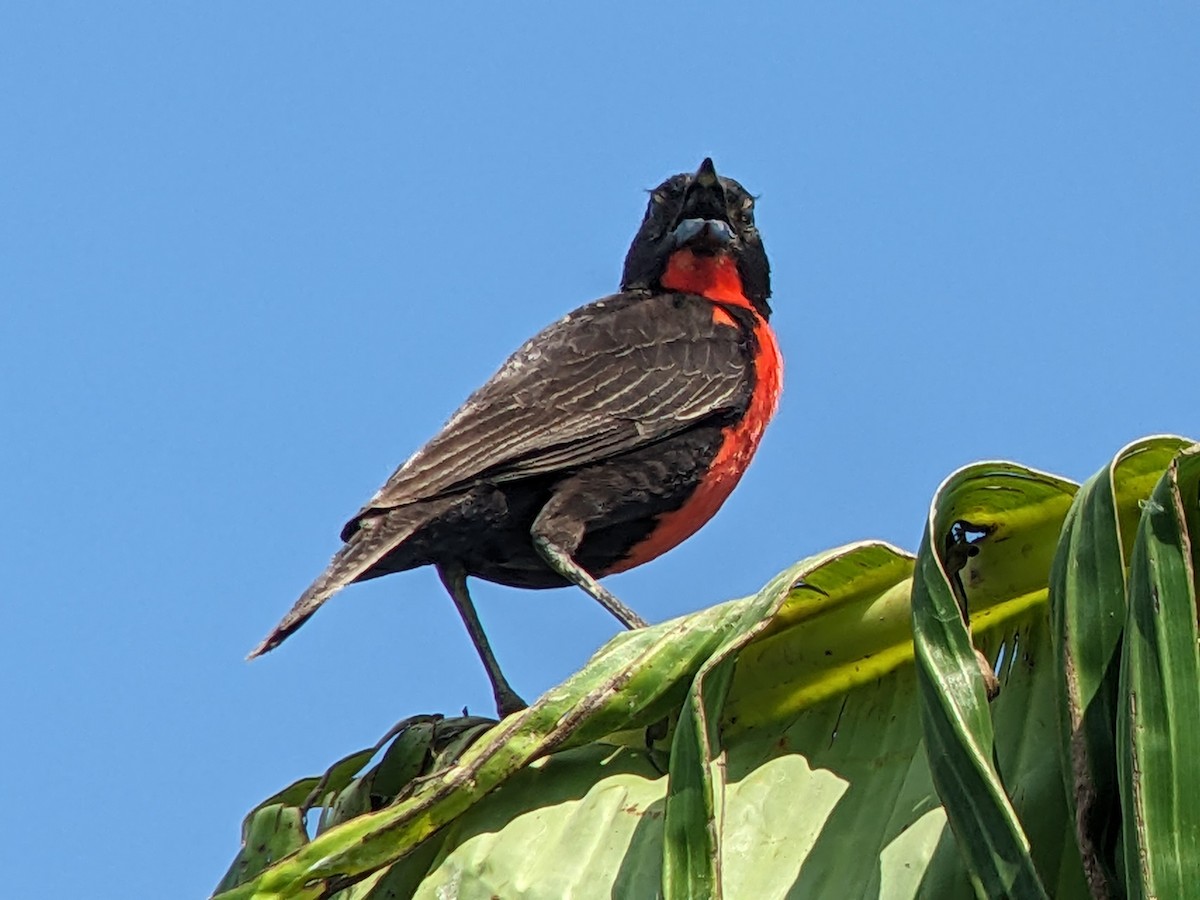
x=703 y=221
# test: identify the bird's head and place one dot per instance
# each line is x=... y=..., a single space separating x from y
x=698 y=236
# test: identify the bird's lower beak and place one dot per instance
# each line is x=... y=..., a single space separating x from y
x=710 y=234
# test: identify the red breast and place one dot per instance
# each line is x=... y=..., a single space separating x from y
x=716 y=278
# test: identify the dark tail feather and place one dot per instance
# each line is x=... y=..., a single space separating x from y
x=367 y=547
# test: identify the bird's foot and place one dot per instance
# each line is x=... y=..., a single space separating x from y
x=508 y=702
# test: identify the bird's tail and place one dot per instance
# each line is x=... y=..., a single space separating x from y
x=377 y=537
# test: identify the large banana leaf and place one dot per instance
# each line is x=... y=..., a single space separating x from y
x=1159 y=711
x=1087 y=589
x=776 y=746
x=988 y=549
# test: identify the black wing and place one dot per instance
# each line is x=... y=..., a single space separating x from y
x=620 y=373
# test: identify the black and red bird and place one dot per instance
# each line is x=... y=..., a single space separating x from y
x=603 y=442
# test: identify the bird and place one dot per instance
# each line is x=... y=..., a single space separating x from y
x=604 y=441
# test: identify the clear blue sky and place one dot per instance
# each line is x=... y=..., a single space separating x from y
x=252 y=255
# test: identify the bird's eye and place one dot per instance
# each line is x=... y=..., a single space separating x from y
x=659 y=197
x=745 y=211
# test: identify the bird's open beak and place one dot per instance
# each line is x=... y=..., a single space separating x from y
x=704 y=218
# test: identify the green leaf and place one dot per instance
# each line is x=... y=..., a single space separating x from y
x=404 y=760
x=452 y=738
x=831 y=797
x=407 y=756
x=692 y=858
x=1159 y=717
x=1087 y=600
x=637 y=678
x=270 y=833
x=978 y=543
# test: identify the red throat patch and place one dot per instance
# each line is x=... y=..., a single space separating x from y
x=715 y=277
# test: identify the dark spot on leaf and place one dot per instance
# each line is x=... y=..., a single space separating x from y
x=961 y=543
x=801 y=583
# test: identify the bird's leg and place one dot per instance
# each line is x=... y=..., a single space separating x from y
x=455 y=579
x=554 y=550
